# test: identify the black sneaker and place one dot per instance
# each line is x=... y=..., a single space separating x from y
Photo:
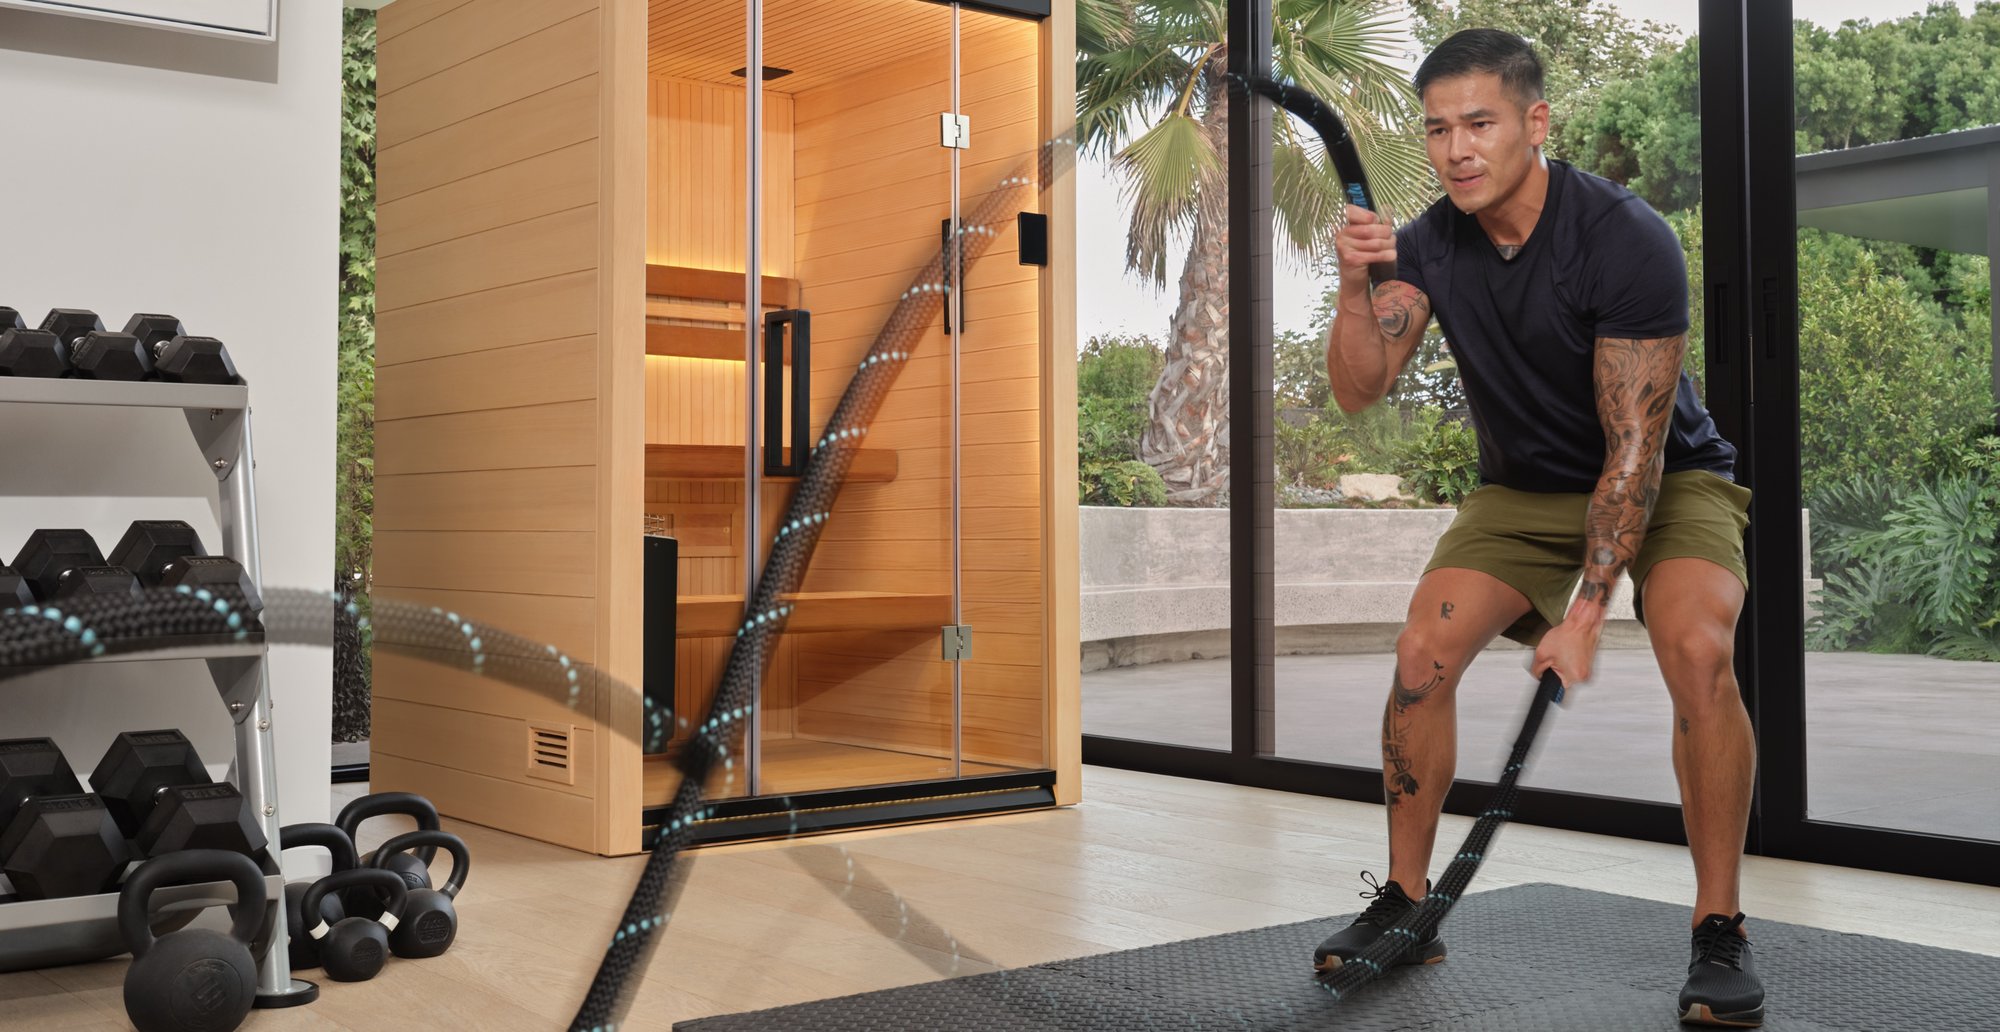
x=1722 y=986
x=1390 y=905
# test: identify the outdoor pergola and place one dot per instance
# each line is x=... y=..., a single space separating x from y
x=1939 y=191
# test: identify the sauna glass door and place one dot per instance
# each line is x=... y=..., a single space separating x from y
x=857 y=201
x=851 y=282
x=998 y=321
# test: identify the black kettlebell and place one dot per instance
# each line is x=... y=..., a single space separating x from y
x=303 y=949
x=195 y=979
x=415 y=868
x=354 y=949
x=430 y=922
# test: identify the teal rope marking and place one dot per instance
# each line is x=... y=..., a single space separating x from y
x=85 y=636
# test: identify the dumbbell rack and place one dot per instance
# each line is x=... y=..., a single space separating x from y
x=36 y=933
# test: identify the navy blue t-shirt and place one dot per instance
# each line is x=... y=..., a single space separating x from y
x=1599 y=263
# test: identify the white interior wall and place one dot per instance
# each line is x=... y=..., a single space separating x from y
x=156 y=171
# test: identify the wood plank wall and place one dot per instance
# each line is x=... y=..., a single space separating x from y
x=696 y=210
x=502 y=347
x=873 y=188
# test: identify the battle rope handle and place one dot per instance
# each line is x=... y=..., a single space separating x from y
x=1422 y=922
x=1339 y=147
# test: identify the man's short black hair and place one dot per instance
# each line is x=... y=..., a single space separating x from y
x=1470 y=51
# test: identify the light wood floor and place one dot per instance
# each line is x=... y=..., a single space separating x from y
x=1143 y=860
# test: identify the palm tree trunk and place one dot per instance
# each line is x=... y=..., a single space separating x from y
x=1187 y=439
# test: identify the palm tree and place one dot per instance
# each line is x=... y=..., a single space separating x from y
x=1152 y=98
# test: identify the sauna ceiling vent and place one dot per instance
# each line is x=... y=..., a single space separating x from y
x=769 y=73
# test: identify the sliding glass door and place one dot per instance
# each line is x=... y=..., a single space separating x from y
x=1874 y=227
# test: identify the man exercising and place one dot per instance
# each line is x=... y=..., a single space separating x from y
x=1564 y=298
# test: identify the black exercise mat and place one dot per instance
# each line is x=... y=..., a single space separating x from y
x=1531 y=958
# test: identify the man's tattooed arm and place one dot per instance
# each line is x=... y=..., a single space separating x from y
x=1372 y=338
x=1400 y=311
x=1636 y=381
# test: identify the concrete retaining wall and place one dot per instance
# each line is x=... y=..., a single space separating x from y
x=1156 y=582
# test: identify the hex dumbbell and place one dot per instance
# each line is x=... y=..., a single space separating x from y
x=179 y=357
x=168 y=553
x=163 y=799
x=94 y=352
x=60 y=563
x=55 y=839
x=26 y=351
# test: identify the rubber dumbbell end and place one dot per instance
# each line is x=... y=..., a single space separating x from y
x=195 y=360
x=70 y=324
x=25 y=352
x=102 y=355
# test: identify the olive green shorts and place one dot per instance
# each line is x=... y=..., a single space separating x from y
x=1534 y=543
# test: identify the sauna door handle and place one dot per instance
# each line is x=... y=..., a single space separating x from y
x=776 y=462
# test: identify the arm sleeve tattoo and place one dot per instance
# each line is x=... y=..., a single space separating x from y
x=1400 y=310
x=1635 y=382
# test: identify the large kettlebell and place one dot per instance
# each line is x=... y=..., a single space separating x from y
x=302 y=947
x=195 y=979
x=355 y=949
x=415 y=869
x=430 y=922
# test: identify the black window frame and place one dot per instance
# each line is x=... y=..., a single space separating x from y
x=1751 y=312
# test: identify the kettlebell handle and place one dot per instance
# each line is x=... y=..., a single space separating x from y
x=461 y=857
x=325 y=836
x=369 y=876
x=385 y=803
x=189 y=867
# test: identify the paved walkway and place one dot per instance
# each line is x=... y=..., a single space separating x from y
x=1904 y=742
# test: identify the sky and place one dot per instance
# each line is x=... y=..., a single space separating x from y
x=1110 y=300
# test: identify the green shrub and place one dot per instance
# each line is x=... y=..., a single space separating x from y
x=354 y=426
x=1912 y=568
x=1114 y=382
x=1107 y=430
x=1440 y=462
x=1310 y=452
x=1120 y=367
x=1126 y=483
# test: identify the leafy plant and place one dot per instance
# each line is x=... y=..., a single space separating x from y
x=1441 y=463
x=1914 y=568
x=354 y=435
x=1126 y=483
x=1310 y=452
x=1113 y=376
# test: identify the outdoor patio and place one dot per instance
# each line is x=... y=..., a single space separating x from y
x=1893 y=741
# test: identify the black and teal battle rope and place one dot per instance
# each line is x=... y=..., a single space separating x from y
x=1422 y=922
x=791 y=551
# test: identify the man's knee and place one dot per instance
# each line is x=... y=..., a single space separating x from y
x=1699 y=667
x=1426 y=657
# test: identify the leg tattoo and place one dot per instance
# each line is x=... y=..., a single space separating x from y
x=1444 y=611
x=1400 y=783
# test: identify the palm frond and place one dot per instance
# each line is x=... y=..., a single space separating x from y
x=1103 y=25
x=1165 y=170
x=1132 y=77
x=1306 y=196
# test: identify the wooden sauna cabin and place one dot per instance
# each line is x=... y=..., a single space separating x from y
x=574 y=444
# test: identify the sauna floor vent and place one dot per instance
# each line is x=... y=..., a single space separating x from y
x=549 y=752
